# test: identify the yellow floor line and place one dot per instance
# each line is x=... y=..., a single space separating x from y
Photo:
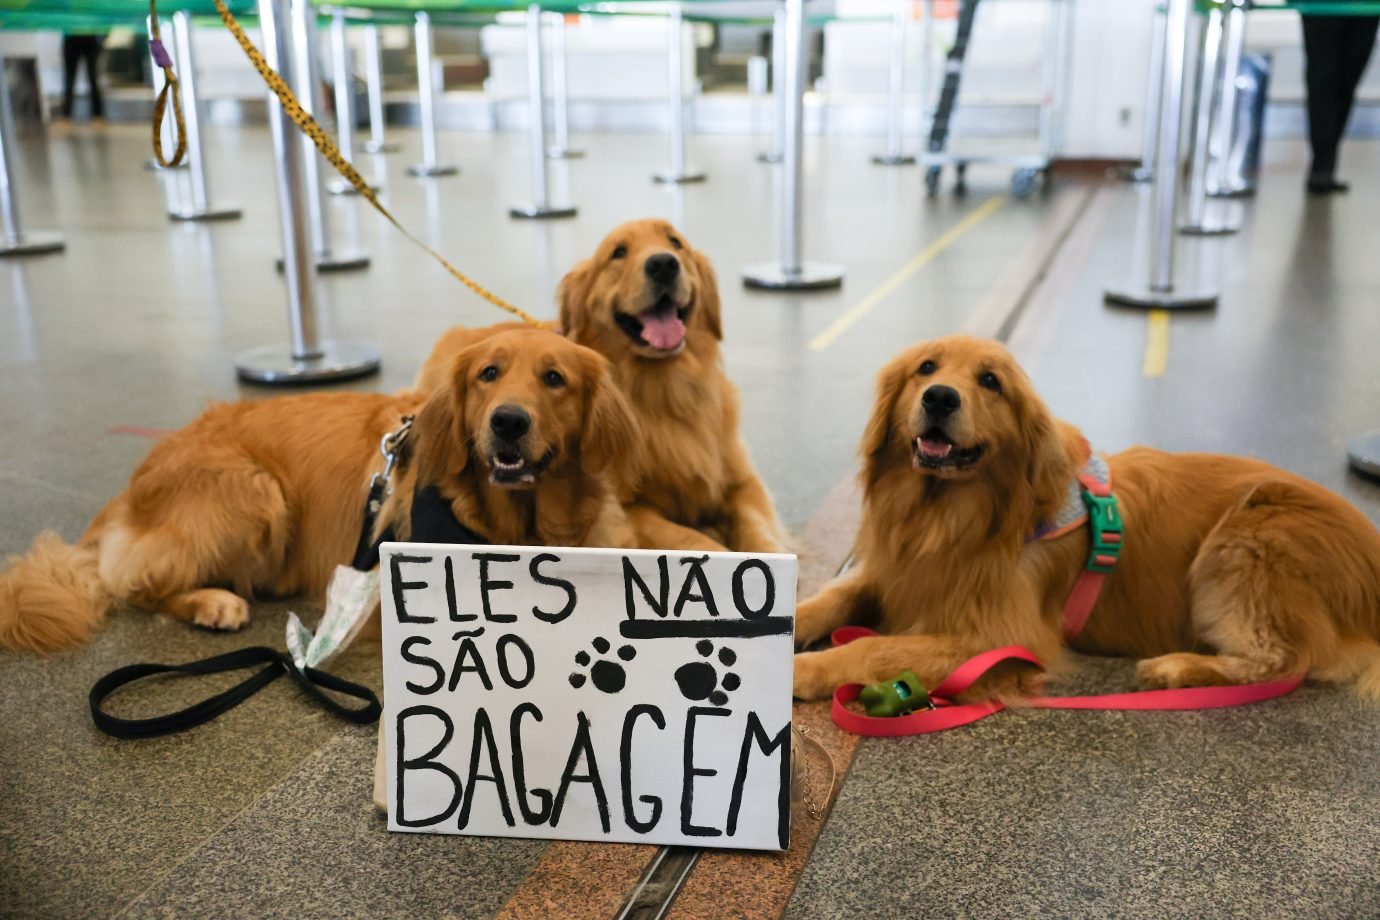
x=850 y=318
x=1156 y=343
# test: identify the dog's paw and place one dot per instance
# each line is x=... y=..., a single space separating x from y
x=813 y=680
x=1179 y=669
x=216 y=609
x=810 y=626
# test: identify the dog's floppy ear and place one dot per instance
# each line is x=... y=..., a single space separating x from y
x=891 y=381
x=709 y=294
x=1052 y=449
x=572 y=296
x=611 y=438
x=440 y=441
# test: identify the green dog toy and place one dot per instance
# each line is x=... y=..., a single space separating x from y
x=897 y=697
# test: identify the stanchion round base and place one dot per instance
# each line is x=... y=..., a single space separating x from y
x=563 y=153
x=385 y=147
x=228 y=212
x=900 y=159
x=276 y=364
x=1216 y=227
x=671 y=178
x=812 y=276
x=425 y=171
x=1147 y=298
x=338 y=260
x=543 y=211
x=1364 y=454
x=344 y=187
x=769 y=156
x=31 y=244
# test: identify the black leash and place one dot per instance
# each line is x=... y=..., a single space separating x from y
x=432 y=522
x=278 y=664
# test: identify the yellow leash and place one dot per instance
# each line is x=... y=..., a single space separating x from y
x=170 y=88
x=313 y=130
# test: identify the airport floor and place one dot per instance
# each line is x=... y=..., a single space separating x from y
x=1263 y=811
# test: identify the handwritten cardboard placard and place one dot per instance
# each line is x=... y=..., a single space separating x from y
x=588 y=694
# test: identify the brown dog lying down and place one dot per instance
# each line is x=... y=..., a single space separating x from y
x=1233 y=571
x=649 y=303
x=267 y=497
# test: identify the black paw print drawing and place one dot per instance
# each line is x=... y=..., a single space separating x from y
x=607 y=675
x=699 y=680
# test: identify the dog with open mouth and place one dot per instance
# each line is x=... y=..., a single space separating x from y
x=649 y=302
x=1231 y=571
x=265 y=498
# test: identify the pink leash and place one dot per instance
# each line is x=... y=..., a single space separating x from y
x=948 y=714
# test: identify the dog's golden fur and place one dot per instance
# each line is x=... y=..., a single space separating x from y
x=1233 y=571
x=266 y=497
x=699 y=489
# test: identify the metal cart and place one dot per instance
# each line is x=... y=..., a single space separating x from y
x=1028 y=170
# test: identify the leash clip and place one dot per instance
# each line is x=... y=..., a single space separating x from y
x=390 y=447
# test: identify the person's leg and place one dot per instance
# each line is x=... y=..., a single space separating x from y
x=69 y=73
x=92 y=55
x=1324 y=75
x=1353 y=52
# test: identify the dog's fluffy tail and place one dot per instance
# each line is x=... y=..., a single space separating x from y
x=52 y=597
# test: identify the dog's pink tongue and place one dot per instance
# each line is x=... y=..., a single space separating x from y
x=938 y=449
x=662 y=328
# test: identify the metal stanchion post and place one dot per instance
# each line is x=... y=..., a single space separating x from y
x=193 y=111
x=1209 y=59
x=426 y=101
x=1146 y=170
x=926 y=60
x=789 y=272
x=541 y=206
x=1219 y=183
x=561 y=149
x=306 y=358
x=329 y=257
x=778 y=90
x=1364 y=453
x=1161 y=292
x=13 y=240
x=896 y=92
x=343 y=76
x=678 y=172
x=373 y=77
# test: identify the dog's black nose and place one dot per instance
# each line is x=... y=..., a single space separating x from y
x=510 y=422
x=662 y=267
x=941 y=401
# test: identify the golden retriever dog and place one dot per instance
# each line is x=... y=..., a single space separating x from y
x=267 y=497
x=649 y=302
x=1232 y=572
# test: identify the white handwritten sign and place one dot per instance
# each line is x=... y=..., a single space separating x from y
x=588 y=694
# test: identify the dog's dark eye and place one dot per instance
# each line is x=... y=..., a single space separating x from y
x=675 y=243
x=553 y=379
x=489 y=374
x=989 y=381
x=927 y=368
x=620 y=251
